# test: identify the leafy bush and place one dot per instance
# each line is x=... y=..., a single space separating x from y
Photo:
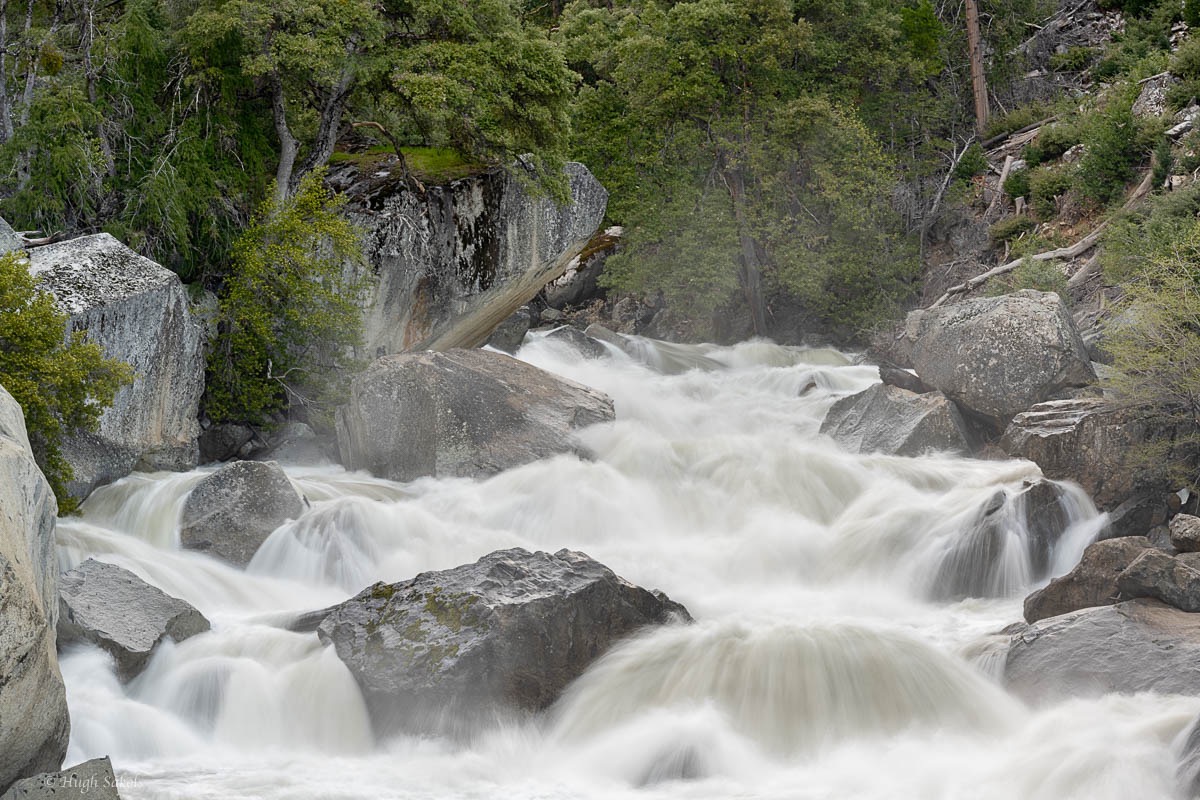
x=1045 y=187
x=63 y=384
x=1113 y=148
x=1016 y=119
x=973 y=162
x=1017 y=183
x=1191 y=13
x=288 y=314
x=1051 y=142
x=1186 y=61
x=1134 y=241
x=1045 y=276
x=1076 y=59
x=1010 y=228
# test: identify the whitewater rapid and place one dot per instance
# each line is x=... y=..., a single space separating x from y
x=819 y=665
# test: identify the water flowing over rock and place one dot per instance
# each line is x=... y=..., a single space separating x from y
x=1134 y=646
x=1093 y=581
x=117 y=611
x=33 y=709
x=138 y=313
x=1188 y=770
x=1010 y=542
x=507 y=633
x=997 y=356
x=1088 y=442
x=454 y=262
x=231 y=512
x=464 y=413
x=93 y=779
x=891 y=420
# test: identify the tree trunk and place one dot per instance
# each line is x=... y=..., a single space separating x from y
x=91 y=74
x=975 y=54
x=288 y=144
x=751 y=268
x=327 y=131
x=6 y=121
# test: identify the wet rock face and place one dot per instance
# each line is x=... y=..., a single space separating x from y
x=888 y=419
x=117 y=611
x=505 y=634
x=137 y=312
x=980 y=561
x=1087 y=442
x=232 y=512
x=1135 y=646
x=997 y=356
x=465 y=413
x=453 y=263
x=1093 y=582
x=34 y=724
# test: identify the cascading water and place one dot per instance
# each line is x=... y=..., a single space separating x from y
x=821 y=665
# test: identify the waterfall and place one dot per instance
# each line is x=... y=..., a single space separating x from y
x=828 y=660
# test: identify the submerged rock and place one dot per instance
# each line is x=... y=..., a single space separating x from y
x=510 y=334
x=997 y=356
x=982 y=561
x=232 y=512
x=464 y=413
x=1093 y=582
x=505 y=634
x=34 y=725
x=137 y=311
x=1134 y=646
x=93 y=779
x=579 y=341
x=888 y=419
x=117 y=611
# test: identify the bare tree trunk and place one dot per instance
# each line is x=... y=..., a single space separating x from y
x=327 y=131
x=91 y=74
x=751 y=268
x=6 y=121
x=25 y=160
x=288 y=144
x=975 y=54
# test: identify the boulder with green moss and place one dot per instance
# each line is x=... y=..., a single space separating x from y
x=447 y=650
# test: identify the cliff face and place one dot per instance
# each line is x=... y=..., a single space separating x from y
x=453 y=262
x=137 y=312
x=33 y=707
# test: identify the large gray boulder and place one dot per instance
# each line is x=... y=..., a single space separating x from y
x=231 y=513
x=451 y=263
x=464 y=413
x=1093 y=581
x=138 y=313
x=1135 y=646
x=998 y=356
x=93 y=780
x=34 y=724
x=507 y=633
x=888 y=419
x=1089 y=442
x=110 y=607
x=1157 y=575
x=979 y=560
x=1185 y=533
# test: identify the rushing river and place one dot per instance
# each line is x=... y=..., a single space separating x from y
x=818 y=666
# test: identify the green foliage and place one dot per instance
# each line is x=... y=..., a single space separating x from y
x=62 y=383
x=1045 y=276
x=1164 y=160
x=1015 y=120
x=974 y=162
x=1186 y=61
x=1156 y=345
x=1112 y=150
x=924 y=33
x=1017 y=183
x=1191 y=13
x=1052 y=142
x=1134 y=242
x=1046 y=186
x=1010 y=228
x=1140 y=50
x=1076 y=59
x=288 y=313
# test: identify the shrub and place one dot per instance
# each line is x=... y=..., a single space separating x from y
x=1191 y=13
x=1045 y=276
x=1016 y=119
x=1051 y=142
x=1113 y=147
x=288 y=315
x=62 y=383
x=1010 y=228
x=973 y=162
x=1076 y=59
x=1045 y=187
x=1017 y=183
